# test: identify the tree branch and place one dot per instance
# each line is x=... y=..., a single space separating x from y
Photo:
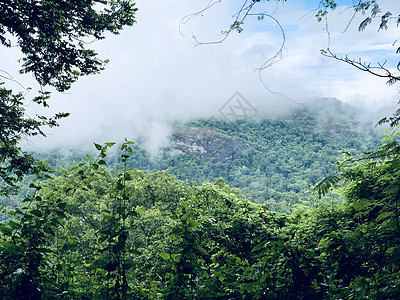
x=379 y=71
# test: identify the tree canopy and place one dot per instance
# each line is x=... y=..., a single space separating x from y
x=54 y=35
x=89 y=234
x=54 y=38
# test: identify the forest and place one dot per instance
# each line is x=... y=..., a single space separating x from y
x=273 y=160
x=302 y=206
x=88 y=233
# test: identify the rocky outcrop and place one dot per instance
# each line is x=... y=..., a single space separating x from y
x=205 y=143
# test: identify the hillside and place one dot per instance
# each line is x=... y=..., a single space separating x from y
x=276 y=161
x=272 y=160
x=205 y=144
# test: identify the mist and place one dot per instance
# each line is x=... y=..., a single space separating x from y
x=157 y=76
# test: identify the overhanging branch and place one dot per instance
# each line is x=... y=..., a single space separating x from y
x=380 y=70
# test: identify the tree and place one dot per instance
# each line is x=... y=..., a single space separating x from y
x=53 y=37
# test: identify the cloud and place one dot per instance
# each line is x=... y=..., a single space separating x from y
x=156 y=75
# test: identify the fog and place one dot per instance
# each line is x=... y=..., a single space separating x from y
x=157 y=76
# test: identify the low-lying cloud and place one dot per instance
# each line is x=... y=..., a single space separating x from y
x=156 y=75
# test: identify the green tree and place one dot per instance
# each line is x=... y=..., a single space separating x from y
x=53 y=37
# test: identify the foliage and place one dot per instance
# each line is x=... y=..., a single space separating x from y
x=53 y=38
x=14 y=125
x=283 y=158
x=87 y=234
x=52 y=35
x=278 y=163
x=90 y=234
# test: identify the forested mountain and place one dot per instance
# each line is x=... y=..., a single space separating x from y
x=273 y=160
x=120 y=223
x=91 y=234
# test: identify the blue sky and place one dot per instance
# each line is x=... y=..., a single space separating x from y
x=157 y=75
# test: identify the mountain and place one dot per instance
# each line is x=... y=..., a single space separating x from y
x=272 y=160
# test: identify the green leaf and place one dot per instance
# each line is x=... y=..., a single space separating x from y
x=201 y=250
x=311 y=253
x=9 y=247
x=13 y=224
x=165 y=255
x=258 y=247
x=36 y=212
x=177 y=257
x=44 y=250
x=4 y=229
x=385 y=215
x=193 y=224
x=326 y=184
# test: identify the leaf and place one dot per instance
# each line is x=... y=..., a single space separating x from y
x=177 y=257
x=9 y=247
x=258 y=247
x=36 y=212
x=311 y=253
x=385 y=20
x=383 y=121
x=361 y=204
x=385 y=215
x=193 y=224
x=251 y=286
x=165 y=255
x=4 y=229
x=201 y=250
x=392 y=81
x=13 y=224
x=44 y=250
x=98 y=147
x=375 y=10
x=364 y=24
x=325 y=185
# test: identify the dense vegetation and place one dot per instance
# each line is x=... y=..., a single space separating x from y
x=89 y=234
x=53 y=40
x=280 y=158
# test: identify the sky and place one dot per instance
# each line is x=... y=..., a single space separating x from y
x=158 y=74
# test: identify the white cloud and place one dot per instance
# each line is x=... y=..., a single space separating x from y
x=155 y=75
